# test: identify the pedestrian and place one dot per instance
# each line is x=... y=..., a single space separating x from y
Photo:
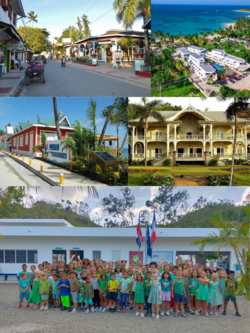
x=139 y=294
x=202 y=294
x=10 y=145
x=24 y=287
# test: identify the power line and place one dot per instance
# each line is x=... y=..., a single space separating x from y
x=91 y=6
x=77 y=8
x=101 y=16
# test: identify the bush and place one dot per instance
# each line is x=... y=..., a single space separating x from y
x=219 y=180
x=140 y=162
x=159 y=180
x=226 y=91
x=167 y=162
x=177 y=164
x=213 y=162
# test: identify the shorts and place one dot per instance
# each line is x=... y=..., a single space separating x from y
x=193 y=294
x=88 y=301
x=132 y=294
x=188 y=299
x=178 y=298
x=166 y=296
x=55 y=296
x=74 y=297
x=105 y=294
x=112 y=296
x=65 y=301
x=233 y=298
x=22 y=296
x=44 y=297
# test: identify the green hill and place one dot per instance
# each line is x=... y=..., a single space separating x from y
x=44 y=210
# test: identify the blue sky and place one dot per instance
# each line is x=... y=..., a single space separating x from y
x=198 y=2
x=13 y=110
x=57 y=15
x=141 y=193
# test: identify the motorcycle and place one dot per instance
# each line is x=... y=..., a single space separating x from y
x=63 y=64
x=35 y=71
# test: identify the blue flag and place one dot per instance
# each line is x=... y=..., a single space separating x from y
x=148 y=240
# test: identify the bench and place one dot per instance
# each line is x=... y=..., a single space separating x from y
x=4 y=277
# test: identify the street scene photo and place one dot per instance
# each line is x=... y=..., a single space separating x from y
x=94 y=49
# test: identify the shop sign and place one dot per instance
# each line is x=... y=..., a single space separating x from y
x=89 y=45
x=161 y=256
x=15 y=46
x=54 y=152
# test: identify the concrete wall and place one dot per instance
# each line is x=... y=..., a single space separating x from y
x=45 y=245
x=160 y=162
x=220 y=162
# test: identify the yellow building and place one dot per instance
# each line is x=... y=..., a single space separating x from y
x=190 y=133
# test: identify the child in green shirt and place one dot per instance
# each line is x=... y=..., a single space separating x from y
x=147 y=287
x=231 y=289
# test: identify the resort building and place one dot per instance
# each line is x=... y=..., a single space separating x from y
x=189 y=133
x=201 y=68
x=104 y=46
x=32 y=241
x=224 y=59
x=183 y=52
x=197 y=49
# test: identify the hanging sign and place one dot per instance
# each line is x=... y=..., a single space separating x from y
x=15 y=46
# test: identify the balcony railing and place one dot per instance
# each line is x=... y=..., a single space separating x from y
x=139 y=155
x=139 y=137
x=189 y=156
x=237 y=155
x=191 y=137
x=153 y=137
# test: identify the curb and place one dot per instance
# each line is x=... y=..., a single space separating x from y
x=116 y=77
x=37 y=173
x=20 y=84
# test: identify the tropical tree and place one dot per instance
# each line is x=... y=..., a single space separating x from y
x=91 y=117
x=32 y=17
x=59 y=135
x=40 y=147
x=160 y=80
x=126 y=42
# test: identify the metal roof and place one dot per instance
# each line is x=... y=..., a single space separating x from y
x=184 y=50
x=17 y=7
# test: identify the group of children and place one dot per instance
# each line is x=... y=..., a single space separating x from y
x=107 y=286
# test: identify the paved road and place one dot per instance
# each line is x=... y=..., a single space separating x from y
x=14 y=174
x=77 y=82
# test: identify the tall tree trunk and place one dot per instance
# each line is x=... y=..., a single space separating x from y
x=145 y=148
x=124 y=141
x=107 y=121
x=117 y=148
x=56 y=119
x=234 y=147
x=147 y=61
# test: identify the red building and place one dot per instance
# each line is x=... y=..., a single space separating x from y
x=27 y=135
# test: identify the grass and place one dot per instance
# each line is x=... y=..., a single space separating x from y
x=242 y=177
x=176 y=90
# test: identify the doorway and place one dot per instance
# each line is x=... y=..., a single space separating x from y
x=59 y=255
x=199 y=151
x=158 y=152
x=220 y=151
x=191 y=152
x=180 y=152
x=77 y=253
x=109 y=54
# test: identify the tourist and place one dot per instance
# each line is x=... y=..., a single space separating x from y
x=179 y=292
x=64 y=286
x=133 y=285
x=55 y=292
x=139 y=294
x=186 y=279
x=166 y=288
x=74 y=288
x=155 y=296
x=24 y=292
x=215 y=294
x=202 y=297
x=222 y=276
x=147 y=288
x=44 y=288
x=119 y=276
x=35 y=296
x=103 y=292
x=88 y=295
x=113 y=285
x=231 y=289
x=124 y=290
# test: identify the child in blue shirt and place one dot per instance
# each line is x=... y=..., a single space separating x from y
x=23 y=286
x=24 y=270
x=64 y=287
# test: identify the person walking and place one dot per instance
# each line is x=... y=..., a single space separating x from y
x=10 y=145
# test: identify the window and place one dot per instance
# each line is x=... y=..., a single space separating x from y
x=32 y=257
x=15 y=142
x=20 y=256
x=1 y=256
x=9 y=256
x=21 y=141
x=96 y=255
x=26 y=138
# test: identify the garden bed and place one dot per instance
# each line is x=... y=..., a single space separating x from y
x=86 y=64
x=147 y=170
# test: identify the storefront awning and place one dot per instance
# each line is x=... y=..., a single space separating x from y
x=8 y=32
x=17 y=7
x=104 y=42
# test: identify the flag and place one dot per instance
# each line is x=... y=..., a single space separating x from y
x=148 y=240
x=139 y=238
x=153 y=227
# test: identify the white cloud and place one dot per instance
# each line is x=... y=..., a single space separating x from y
x=153 y=191
x=244 y=195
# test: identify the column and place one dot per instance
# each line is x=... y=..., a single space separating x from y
x=211 y=131
x=175 y=144
x=132 y=143
x=167 y=148
x=204 y=146
x=211 y=147
x=167 y=131
x=175 y=131
x=204 y=126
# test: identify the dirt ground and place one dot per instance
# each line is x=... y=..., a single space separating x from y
x=191 y=180
x=13 y=320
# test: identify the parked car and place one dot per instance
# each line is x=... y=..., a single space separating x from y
x=232 y=80
x=238 y=77
x=244 y=74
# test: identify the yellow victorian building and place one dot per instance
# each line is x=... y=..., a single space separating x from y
x=188 y=134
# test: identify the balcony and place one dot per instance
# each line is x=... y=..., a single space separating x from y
x=154 y=137
x=186 y=156
x=139 y=138
x=192 y=137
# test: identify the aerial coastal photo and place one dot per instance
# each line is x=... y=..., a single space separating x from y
x=200 y=50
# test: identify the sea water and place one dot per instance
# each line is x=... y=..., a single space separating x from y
x=192 y=19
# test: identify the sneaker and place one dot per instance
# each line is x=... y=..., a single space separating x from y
x=57 y=308
x=87 y=311
x=211 y=312
x=162 y=313
x=157 y=317
x=191 y=311
x=100 y=309
x=114 y=309
x=131 y=308
x=69 y=309
x=183 y=315
x=53 y=307
x=153 y=315
x=167 y=313
x=224 y=312
x=146 y=314
x=216 y=313
x=137 y=314
x=171 y=310
x=119 y=310
x=92 y=309
x=205 y=314
x=27 y=306
x=237 y=314
x=142 y=314
x=42 y=307
x=124 y=310
x=96 y=309
x=73 y=311
x=63 y=308
x=104 y=309
x=19 y=306
x=46 y=307
x=110 y=309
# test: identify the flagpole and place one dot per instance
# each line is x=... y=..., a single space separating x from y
x=139 y=236
x=146 y=244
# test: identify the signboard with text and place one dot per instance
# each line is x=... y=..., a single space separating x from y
x=54 y=152
x=161 y=256
x=66 y=40
x=15 y=46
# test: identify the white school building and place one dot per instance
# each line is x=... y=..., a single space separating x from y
x=26 y=241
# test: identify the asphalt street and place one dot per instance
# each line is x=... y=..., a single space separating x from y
x=76 y=82
x=14 y=174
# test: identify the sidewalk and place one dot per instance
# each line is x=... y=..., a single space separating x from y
x=127 y=73
x=11 y=82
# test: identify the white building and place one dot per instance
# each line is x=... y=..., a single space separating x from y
x=197 y=49
x=200 y=67
x=224 y=59
x=183 y=52
x=35 y=241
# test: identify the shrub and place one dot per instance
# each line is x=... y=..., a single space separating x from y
x=167 y=162
x=213 y=162
x=177 y=164
x=219 y=180
x=159 y=180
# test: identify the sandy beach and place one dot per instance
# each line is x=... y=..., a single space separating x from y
x=228 y=24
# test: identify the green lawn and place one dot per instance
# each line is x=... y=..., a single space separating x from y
x=176 y=90
x=242 y=177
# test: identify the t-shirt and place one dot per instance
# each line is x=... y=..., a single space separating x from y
x=186 y=281
x=124 y=284
x=24 y=285
x=31 y=278
x=231 y=287
x=134 y=283
x=165 y=285
x=113 y=284
x=19 y=274
x=50 y=278
x=173 y=277
x=147 y=286
x=102 y=284
x=43 y=286
x=108 y=277
x=63 y=290
x=48 y=273
x=57 y=270
x=119 y=277
x=73 y=285
x=54 y=285
x=95 y=283
x=194 y=285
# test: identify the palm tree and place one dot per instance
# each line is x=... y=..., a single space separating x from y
x=59 y=135
x=107 y=120
x=116 y=121
x=160 y=80
x=32 y=17
x=91 y=118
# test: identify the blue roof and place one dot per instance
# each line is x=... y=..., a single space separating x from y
x=218 y=67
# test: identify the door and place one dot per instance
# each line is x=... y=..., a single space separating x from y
x=158 y=135
x=219 y=135
x=189 y=135
x=109 y=54
x=59 y=255
x=199 y=152
x=191 y=152
x=31 y=141
x=220 y=151
x=133 y=255
x=180 y=152
x=158 y=152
